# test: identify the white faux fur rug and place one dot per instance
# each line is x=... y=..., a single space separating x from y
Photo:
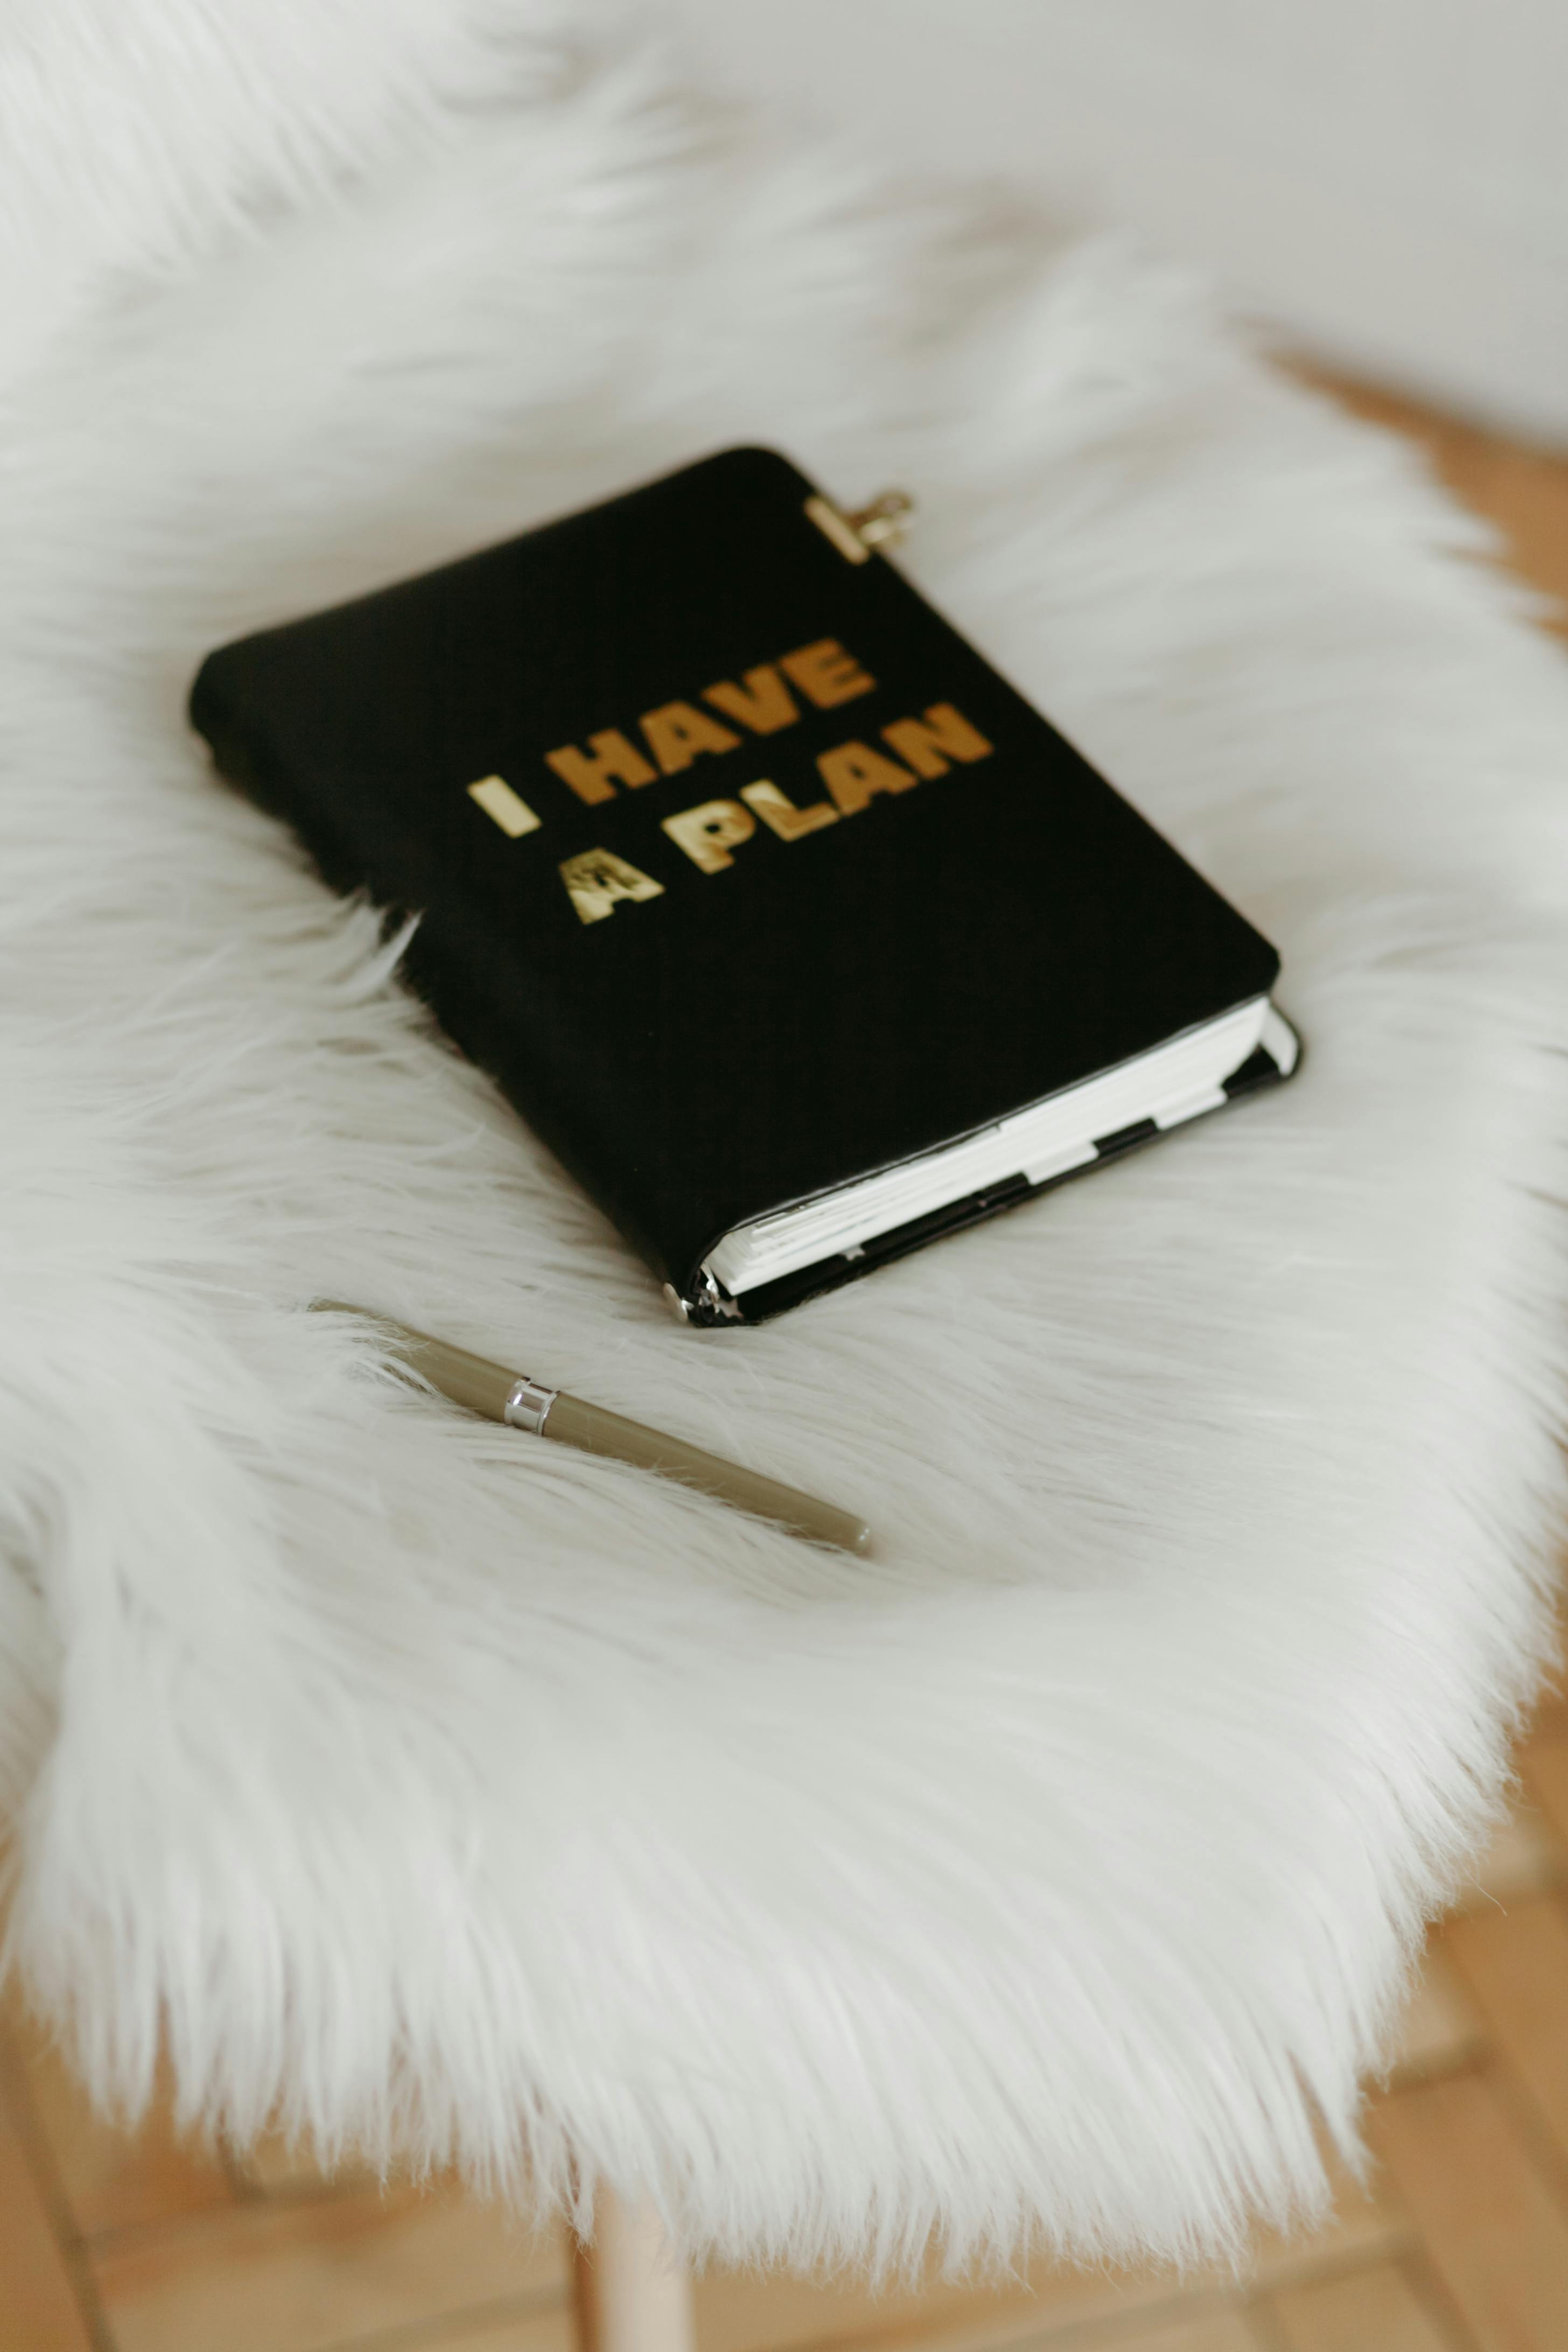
x=428 y=1788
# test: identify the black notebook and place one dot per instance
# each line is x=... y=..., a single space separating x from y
x=795 y=931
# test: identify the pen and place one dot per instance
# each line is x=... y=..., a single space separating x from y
x=490 y=1389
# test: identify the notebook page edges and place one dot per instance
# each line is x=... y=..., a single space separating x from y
x=1170 y=1083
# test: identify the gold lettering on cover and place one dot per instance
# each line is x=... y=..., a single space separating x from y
x=826 y=674
x=507 y=808
x=853 y=772
x=762 y=701
x=780 y=815
x=596 y=880
x=678 y=731
x=709 y=831
x=931 y=744
x=589 y=773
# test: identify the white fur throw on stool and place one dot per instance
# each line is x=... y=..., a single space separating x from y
x=429 y=1789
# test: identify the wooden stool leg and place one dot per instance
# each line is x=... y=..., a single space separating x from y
x=633 y=2293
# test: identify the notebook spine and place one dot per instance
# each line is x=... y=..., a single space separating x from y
x=441 y=977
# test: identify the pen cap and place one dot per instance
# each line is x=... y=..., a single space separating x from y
x=469 y=1380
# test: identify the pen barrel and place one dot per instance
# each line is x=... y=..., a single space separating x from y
x=592 y=1430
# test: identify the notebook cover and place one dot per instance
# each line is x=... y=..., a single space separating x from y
x=968 y=918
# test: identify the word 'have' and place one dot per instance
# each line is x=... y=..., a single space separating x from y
x=678 y=732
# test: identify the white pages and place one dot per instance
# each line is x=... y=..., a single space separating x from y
x=1172 y=1083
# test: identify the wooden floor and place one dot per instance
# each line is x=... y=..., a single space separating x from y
x=1461 y=2244
x=1524 y=492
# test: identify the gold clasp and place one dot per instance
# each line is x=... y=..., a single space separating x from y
x=855 y=536
x=884 y=521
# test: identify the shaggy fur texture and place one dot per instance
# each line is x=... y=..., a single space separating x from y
x=429 y=1789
